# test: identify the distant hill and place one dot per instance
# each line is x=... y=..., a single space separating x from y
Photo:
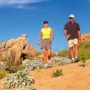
x=85 y=37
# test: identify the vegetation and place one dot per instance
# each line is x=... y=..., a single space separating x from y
x=10 y=64
x=28 y=88
x=18 y=79
x=63 y=53
x=84 y=51
x=3 y=73
x=57 y=73
x=37 y=54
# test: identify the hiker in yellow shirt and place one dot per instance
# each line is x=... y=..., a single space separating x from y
x=47 y=36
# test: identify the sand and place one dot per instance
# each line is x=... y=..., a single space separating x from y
x=75 y=77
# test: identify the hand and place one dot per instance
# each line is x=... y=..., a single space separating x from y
x=38 y=43
x=68 y=36
x=79 y=40
x=51 y=40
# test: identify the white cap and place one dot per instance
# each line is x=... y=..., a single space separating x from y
x=71 y=15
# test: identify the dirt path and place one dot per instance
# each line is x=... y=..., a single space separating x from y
x=75 y=77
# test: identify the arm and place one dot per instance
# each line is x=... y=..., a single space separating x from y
x=39 y=38
x=79 y=36
x=65 y=33
x=52 y=35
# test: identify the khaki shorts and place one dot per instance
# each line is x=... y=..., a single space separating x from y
x=72 y=42
x=46 y=44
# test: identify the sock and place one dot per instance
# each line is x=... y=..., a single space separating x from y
x=76 y=57
x=72 y=58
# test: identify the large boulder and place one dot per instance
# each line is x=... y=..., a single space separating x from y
x=18 y=46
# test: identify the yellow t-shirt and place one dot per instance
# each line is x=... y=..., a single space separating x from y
x=46 y=32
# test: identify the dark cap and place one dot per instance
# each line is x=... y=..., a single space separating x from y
x=45 y=22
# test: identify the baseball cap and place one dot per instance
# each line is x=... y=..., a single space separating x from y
x=45 y=22
x=71 y=16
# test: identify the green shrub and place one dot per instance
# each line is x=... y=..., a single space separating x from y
x=63 y=53
x=84 y=50
x=9 y=59
x=62 y=63
x=37 y=54
x=30 y=56
x=15 y=68
x=3 y=73
x=20 y=67
x=9 y=62
x=57 y=73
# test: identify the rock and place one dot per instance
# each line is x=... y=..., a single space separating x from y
x=85 y=37
x=10 y=43
x=18 y=46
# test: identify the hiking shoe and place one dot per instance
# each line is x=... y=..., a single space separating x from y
x=76 y=59
x=45 y=66
x=73 y=61
x=50 y=63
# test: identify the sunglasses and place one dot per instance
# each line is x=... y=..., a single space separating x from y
x=71 y=18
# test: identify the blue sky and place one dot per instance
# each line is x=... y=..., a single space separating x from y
x=19 y=17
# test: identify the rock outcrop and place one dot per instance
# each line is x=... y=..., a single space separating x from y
x=85 y=37
x=18 y=46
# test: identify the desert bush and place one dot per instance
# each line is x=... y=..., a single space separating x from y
x=57 y=73
x=83 y=59
x=33 y=64
x=9 y=59
x=62 y=61
x=84 y=50
x=1 y=67
x=9 y=62
x=3 y=73
x=28 y=88
x=30 y=56
x=20 y=67
x=38 y=53
x=18 y=79
x=63 y=53
x=15 y=68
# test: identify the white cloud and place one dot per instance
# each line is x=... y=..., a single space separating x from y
x=8 y=2
x=17 y=3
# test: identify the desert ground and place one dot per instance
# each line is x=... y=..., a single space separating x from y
x=75 y=77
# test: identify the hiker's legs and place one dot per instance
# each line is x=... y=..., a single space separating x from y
x=49 y=54
x=49 y=57
x=76 y=47
x=71 y=48
x=71 y=52
x=45 y=55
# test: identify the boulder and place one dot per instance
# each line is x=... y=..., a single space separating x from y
x=18 y=46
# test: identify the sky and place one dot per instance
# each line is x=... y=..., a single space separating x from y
x=18 y=17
